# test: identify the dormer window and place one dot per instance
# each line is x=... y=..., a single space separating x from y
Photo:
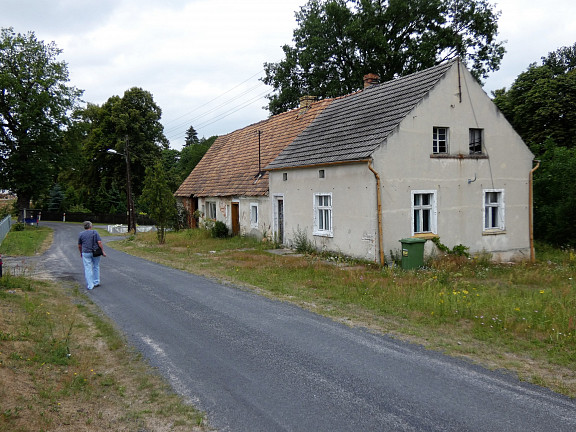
x=439 y=140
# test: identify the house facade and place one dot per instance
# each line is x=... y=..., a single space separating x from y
x=426 y=155
x=230 y=184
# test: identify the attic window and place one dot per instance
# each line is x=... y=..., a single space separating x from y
x=284 y=176
x=321 y=173
x=439 y=140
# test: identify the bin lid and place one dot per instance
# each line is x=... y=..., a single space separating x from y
x=412 y=240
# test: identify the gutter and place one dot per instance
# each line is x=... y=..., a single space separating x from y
x=379 y=210
x=530 y=213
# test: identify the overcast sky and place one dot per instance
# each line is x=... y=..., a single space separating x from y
x=201 y=59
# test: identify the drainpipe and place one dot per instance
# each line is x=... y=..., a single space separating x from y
x=530 y=214
x=379 y=207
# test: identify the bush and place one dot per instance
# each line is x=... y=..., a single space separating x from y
x=19 y=226
x=219 y=230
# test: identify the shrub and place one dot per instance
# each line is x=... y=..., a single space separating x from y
x=19 y=226
x=219 y=230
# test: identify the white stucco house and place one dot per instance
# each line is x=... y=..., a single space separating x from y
x=230 y=184
x=426 y=155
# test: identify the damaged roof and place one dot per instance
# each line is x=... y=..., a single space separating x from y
x=234 y=164
x=352 y=127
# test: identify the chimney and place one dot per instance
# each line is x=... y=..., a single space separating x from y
x=371 y=79
x=306 y=101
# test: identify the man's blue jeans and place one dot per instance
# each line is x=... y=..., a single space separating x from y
x=91 y=269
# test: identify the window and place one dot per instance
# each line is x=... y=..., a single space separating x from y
x=253 y=215
x=493 y=209
x=475 y=141
x=321 y=173
x=211 y=209
x=423 y=212
x=440 y=140
x=284 y=176
x=323 y=215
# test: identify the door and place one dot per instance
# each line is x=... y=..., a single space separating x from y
x=235 y=218
x=280 y=220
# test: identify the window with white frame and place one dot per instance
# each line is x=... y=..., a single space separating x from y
x=493 y=209
x=439 y=139
x=211 y=209
x=254 y=215
x=323 y=214
x=475 y=141
x=424 y=212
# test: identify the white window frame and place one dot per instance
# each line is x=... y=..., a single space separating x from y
x=253 y=215
x=211 y=205
x=488 y=208
x=323 y=215
x=436 y=142
x=431 y=207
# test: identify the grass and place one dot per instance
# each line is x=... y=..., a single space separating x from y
x=30 y=241
x=64 y=366
x=520 y=317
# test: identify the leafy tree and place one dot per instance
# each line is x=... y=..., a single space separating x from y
x=337 y=42
x=555 y=195
x=158 y=198
x=34 y=106
x=541 y=106
x=191 y=155
x=541 y=103
x=129 y=125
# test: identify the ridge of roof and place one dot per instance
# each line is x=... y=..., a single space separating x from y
x=353 y=126
x=234 y=164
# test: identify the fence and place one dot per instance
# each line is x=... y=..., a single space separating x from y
x=112 y=219
x=5 y=227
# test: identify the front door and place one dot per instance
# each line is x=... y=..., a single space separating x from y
x=235 y=218
x=280 y=220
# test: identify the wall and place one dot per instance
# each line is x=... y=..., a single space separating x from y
x=353 y=189
x=404 y=164
x=461 y=179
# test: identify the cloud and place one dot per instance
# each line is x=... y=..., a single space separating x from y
x=201 y=59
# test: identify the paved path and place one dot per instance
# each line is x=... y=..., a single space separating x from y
x=254 y=364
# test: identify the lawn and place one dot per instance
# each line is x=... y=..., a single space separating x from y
x=521 y=317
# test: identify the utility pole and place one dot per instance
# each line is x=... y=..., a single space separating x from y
x=131 y=213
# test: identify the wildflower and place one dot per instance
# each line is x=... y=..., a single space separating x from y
x=517 y=309
x=541 y=291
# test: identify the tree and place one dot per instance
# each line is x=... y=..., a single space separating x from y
x=541 y=103
x=337 y=42
x=130 y=122
x=191 y=137
x=191 y=155
x=35 y=102
x=541 y=106
x=158 y=198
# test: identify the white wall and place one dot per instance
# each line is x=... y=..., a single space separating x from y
x=459 y=182
x=404 y=164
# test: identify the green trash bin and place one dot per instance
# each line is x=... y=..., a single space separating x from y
x=412 y=253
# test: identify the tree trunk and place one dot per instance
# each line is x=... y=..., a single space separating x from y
x=22 y=203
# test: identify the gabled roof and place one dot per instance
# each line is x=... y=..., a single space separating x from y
x=353 y=126
x=231 y=166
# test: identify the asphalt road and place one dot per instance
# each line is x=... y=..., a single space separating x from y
x=255 y=364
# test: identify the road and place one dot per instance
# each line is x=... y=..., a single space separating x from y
x=255 y=364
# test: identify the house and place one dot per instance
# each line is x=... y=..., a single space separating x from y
x=426 y=155
x=230 y=184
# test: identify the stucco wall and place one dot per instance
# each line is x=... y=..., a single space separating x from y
x=459 y=181
x=353 y=190
x=404 y=164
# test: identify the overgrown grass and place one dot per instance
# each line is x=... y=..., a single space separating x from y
x=30 y=241
x=64 y=366
x=519 y=316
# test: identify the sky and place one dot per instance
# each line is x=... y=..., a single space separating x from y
x=202 y=59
